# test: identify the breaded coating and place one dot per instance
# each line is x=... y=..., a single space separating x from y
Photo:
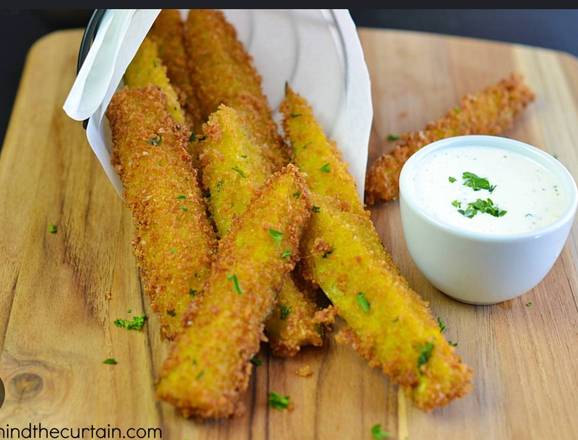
x=388 y=324
x=387 y=321
x=316 y=155
x=168 y=33
x=491 y=112
x=222 y=72
x=146 y=69
x=209 y=365
x=174 y=241
x=233 y=169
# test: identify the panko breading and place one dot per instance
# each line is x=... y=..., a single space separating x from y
x=209 y=365
x=167 y=32
x=387 y=321
x=489 y=112
x=146 y=69
x=316 y=155
x=174 y=241
x=233 y=169
x=222 y=72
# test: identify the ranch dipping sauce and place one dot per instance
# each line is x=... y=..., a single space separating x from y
x=488 y=190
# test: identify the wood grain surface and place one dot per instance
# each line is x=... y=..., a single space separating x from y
x=60 y=293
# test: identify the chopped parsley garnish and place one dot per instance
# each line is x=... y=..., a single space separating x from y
x=284 y=311
x=363 y=302
x=110 y=361
x=277 y=401
x=173 y=250
x=456 y=204
x=297 y=194
x=184 y=208
x=326 y=168
x=286 y=254
x=256 y=361
x=327 y=253
x=294 y=115
x=181 y=197
x=482 y=206
x=378 y=433
x=192 y=292
x=236 y=285
x=392 y=137
x=441 y=325
x=239 y=171
x=276 y=235
x=451 y=179
x=457 y=109
x=136 y=323
x=477 y=183
x=529 y=304
x=316 y=209
x=172 y=313
x=156 y=140
x=424 y=354
x=200 y=375
x=53 y=229
x=453 y=344
x=192 y=137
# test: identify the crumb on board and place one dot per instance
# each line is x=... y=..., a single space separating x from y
x=304 y=371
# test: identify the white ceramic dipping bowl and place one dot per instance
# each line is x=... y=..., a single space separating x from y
x=476 y=267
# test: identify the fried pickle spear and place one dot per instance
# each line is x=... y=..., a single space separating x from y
x=174 y=241
x=222 y=72
x=168 y=33
x=491 y=111
x=234 y=169
x=146 y=69
x=388 y=323
x=209 y=365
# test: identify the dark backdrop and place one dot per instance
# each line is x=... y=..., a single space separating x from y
x=554 y=29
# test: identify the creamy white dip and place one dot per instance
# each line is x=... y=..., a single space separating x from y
x=531 y=195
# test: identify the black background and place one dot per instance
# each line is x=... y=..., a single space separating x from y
x=556 y=29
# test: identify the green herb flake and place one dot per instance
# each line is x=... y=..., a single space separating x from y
x=239 y=171
x=482 y=206
x=294 y=115
x=284 y=311
x=200 y=375
x=457 y=110
x=377 y=432
x=256 y=361
x=327 y=253
x=53 y=229
x=173 y=250
x=326 y=168
x=172 y=313
x=110 y=361
x=277 y=401
x=136 y=323
x=451 y=179
x=181 y=197
x=184 y=208
x=456 y=204
x=363 y=302
x=192 y=137
x=276 y=235
x=477 y=183
x=192 y=292
x=297 y=194
x=236 y=285
x=316 y=209
x=529 y=304
x=424 y=354
x=286 y=254
x=453 y=344
x=392 y=137
x=156 y=140
x=441 y=325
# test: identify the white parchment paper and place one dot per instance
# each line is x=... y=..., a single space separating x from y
x=317 y=51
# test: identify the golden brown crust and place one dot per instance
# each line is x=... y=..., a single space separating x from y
x=222 y=72
x=209 y=365
x=174 y=241
x=489 y=112
x=168 y=33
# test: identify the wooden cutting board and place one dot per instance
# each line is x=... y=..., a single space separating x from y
x=60 y=293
